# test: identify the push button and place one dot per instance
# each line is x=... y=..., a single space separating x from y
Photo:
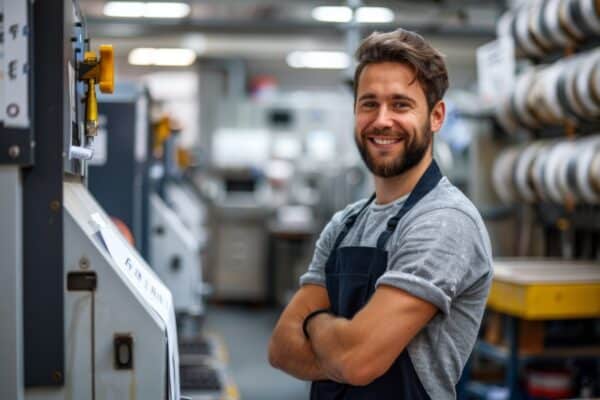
x=123 y=345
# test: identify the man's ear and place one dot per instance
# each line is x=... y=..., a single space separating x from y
x=437 y=116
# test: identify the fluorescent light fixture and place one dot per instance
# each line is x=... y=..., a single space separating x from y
x=136 y=9
x=332 y=14
x=166 y=10
x=131 y=9
x=344 y=14
x=318 y=59
x=374 y=15
x=162 y=57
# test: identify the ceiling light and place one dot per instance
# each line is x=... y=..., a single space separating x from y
x=344 y=14
x=162 y=57
x=318 y=59
x=131 y=9
x=135 y=9
x=374 y=15
x=166 y=10
x=332 y=14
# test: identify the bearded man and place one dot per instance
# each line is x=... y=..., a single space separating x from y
x=392 y=301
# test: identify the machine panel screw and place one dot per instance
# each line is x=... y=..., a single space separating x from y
x=84 y=263
x=14 y=151
x=57 y=376
x=55 y=205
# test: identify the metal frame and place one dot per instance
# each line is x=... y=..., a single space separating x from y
x=43 y=203
x=11 y=306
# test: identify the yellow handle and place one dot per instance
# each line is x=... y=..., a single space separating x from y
x=106 y=79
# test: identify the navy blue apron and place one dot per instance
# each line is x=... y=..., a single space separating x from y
x=351 y=274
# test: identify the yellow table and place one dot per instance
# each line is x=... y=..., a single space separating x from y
x=544 y=289
x=538 y=289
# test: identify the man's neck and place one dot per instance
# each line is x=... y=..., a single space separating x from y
x=391 y=189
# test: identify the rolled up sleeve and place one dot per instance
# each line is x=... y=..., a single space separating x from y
x=435 y=257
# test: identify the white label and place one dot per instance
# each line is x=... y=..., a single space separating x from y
x=100 y=143
x=15 y=107
x=496 y=70
x=149 y=287
x=141 y=128
x=72 y=97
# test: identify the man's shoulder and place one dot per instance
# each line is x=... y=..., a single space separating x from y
x=447 y=200
x=447 y=209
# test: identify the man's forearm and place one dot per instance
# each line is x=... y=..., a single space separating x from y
x=331 y=341
x=292 y=353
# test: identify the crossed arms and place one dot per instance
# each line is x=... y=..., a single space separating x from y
x=354 y=351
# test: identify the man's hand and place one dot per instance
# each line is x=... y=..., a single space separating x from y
x=360 y=350
x=288 y=349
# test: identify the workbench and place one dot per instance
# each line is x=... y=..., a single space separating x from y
x=537 y=289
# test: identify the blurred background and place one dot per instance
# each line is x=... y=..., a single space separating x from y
x=260 y=92
x=227 y=146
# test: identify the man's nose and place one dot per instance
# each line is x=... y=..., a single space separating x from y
x=383 y=118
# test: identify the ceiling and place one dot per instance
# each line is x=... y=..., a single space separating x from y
x=262 y=32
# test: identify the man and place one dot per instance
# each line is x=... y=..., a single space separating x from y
x=392 y=302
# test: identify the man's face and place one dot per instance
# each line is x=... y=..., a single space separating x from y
x=393 y=126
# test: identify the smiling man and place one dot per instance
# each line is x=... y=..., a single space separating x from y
x=392 y=301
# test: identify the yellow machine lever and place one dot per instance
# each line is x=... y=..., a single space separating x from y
x=96 y=71
x=162 y=131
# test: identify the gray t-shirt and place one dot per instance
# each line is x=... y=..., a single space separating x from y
x=439 y=252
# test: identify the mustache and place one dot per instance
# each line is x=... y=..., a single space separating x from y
x=387 y=132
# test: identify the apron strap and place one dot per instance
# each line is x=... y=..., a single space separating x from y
x=426 y=183
x=350 y=222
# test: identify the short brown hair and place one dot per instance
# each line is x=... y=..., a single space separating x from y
x=409 y=48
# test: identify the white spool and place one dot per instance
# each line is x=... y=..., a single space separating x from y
x=525 y=39
x=595 y=81
x=537 y=25
x=503 y=173
x=551 y=17
x=553 y=162
x=584 y=82
x=568 y=21
x=523 y=172
x=591 y=14
x=543 y=99
x=551 y=93
x=538 y=170
x=505 y=116
x=585 y=172
x=568 y=190
x=570 y=72
x=519 y=99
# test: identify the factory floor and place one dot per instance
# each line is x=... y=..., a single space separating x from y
x=246 y=331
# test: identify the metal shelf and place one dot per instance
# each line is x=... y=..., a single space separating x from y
x=501 y=355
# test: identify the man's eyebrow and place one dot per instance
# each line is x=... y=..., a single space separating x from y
x=404 y=97
x=397 y=96
x=367 y=96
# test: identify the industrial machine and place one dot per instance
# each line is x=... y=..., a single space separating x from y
x=130 y=184
x=177 y=235
x=175 y=247
x=118 y=173
x=84 y=317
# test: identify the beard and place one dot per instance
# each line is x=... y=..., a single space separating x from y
x=415 y=148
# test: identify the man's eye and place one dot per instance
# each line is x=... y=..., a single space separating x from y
x=369 y=104
x=400 y=106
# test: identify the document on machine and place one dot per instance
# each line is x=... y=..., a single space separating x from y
x=149 y=287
